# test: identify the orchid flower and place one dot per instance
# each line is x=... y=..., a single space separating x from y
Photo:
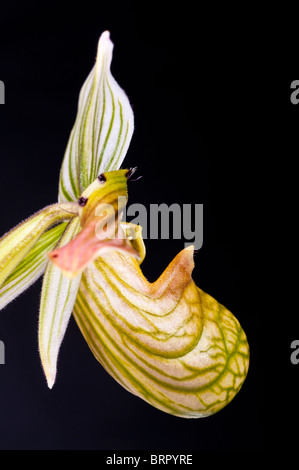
x=167 y=342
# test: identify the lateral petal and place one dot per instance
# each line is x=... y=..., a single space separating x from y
x=31 y=267
x=15 y=244
x=57 y=300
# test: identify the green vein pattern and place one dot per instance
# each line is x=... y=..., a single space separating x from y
x=191 y=365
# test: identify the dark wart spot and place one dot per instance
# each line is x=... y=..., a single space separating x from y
x=82 y=201
x=102 y=178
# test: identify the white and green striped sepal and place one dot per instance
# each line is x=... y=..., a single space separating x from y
x=102 y=131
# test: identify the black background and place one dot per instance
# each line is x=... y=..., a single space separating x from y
x=195 y=87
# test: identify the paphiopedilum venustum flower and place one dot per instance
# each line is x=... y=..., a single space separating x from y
x=167 y=342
